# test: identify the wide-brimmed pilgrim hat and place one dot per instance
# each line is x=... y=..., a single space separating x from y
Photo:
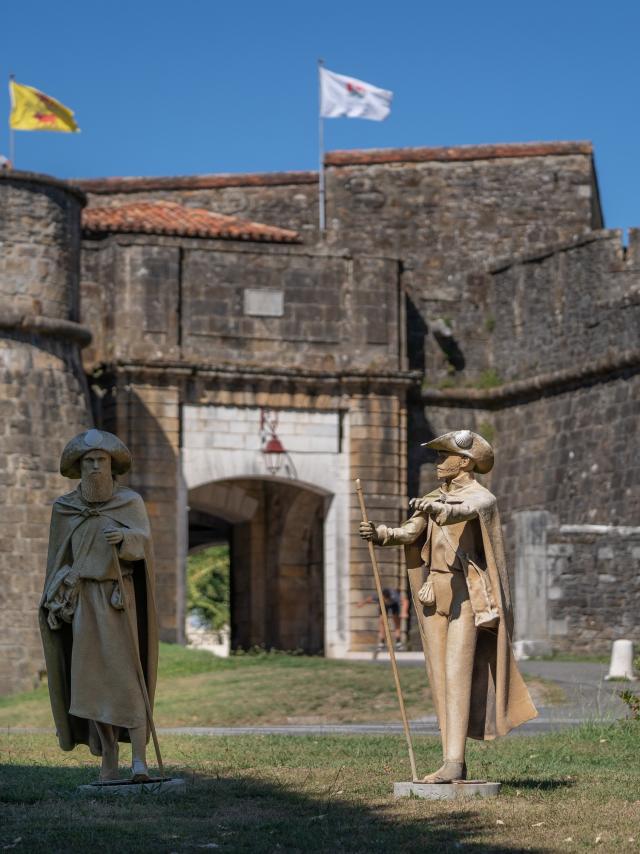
x=94 y=440
x=466 y=443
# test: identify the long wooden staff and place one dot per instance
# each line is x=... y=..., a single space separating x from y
x=133 y=633
x=387 y=634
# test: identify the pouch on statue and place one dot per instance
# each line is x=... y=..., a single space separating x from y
x=426 y=594
x=117 y=600
x=61 y=597
x=485 y=612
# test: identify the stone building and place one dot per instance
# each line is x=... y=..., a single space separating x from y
x=43 y=395
x=472 y=286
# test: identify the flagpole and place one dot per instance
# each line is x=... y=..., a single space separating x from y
x=321 y=186
x=12 y=138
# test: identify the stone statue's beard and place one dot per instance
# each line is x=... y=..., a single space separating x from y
x=97 y=486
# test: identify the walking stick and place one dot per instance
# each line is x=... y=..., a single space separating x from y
x=136 y=655
x=387 y=635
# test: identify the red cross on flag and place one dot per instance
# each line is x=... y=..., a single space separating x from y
x=355 y=99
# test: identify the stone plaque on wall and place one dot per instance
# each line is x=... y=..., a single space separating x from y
x=263 y=302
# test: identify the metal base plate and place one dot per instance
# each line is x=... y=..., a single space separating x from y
x=446 y=791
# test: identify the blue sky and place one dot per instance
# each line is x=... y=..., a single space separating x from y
x=166 y=88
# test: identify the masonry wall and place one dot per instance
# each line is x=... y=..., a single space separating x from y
x=288 y=199
x=43 y=398
x=183 y=322
x=207 y=301
x=593 y=586
x=536 y=352
x=563 y=417
x=145 y=414
x=448 y=218
x=574 y=306
x=446 y=214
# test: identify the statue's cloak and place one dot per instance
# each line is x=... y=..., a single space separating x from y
x=500 y=700
x=126 y=510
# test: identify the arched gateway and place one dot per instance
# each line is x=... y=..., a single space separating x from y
x=287 y=535
x=276 y=534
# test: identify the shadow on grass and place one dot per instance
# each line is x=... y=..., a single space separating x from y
x=40 y=805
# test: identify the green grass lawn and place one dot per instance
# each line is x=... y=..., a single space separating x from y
x=198 y=689
x=572 y=791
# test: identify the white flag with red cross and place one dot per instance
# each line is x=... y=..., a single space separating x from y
x=355 y=99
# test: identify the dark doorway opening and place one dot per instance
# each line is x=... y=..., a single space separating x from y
x=275 y=535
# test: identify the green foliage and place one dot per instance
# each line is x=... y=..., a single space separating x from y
x=489 y=323
x=489 y=379
x=487 y=431
x=208 y=586
x=632 y=700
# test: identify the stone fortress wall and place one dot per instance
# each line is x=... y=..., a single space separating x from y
x=522 y=317
x=564 y=415
x=470 y=286
x=192 y=350
x=43 y=396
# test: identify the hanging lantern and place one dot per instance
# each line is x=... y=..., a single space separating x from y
x=274 y=454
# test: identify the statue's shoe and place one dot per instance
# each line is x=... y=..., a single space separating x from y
x=139 y=771
x=448 y=773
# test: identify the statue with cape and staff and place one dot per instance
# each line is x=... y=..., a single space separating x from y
x=97 y=614
x=460 y=591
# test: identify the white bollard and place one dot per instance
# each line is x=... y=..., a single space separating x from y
x=621 y=666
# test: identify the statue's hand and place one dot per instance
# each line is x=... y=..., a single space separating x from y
x=113 y=536
x=71 y=578
x=369 y=532
x=425 y=505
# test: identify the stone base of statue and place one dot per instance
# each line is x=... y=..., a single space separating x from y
x=127 y=788
x=446 y=791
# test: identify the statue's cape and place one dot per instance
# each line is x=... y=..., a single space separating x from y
x=126 y=509
x=500 y=700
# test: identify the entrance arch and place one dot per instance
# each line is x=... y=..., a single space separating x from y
x=224 y=474
x=275 y=530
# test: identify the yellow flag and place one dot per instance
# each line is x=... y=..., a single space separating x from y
x=33 y=110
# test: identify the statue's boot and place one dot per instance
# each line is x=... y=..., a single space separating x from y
x=449 y=772
x=139 y=769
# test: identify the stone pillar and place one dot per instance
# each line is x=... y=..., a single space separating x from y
x=43 y=396
x=145 y=414
x=531 y=583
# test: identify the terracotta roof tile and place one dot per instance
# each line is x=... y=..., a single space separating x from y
x=457 y=153
x=173 y=219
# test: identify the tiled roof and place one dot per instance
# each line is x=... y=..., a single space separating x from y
x=457 y=153
x=195 y=182
x=174 y=219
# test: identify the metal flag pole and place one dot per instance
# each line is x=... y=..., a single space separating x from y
x=321 y=199
x=387 y=635
x=12 y=140
x=136 y=656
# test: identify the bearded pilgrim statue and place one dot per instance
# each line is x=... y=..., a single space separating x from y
x=97 y=613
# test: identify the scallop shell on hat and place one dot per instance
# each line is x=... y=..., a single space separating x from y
x=463 y=439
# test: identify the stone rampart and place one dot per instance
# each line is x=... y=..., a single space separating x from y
x=43 y=397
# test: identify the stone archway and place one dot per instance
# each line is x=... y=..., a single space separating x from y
x=221 y=450
x=276 y=538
